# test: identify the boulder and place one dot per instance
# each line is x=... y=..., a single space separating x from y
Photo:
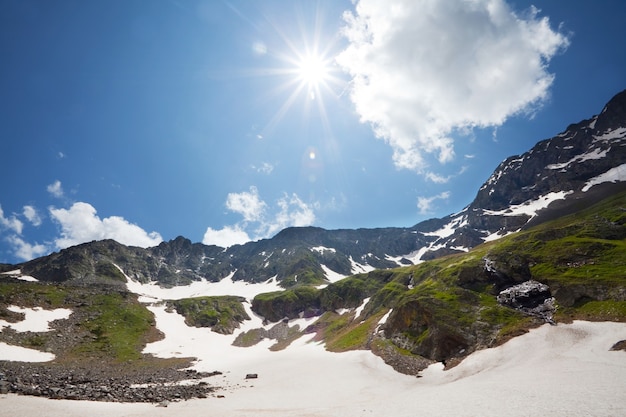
x=531 y=297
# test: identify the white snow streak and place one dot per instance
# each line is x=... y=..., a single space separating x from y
x=617 y=174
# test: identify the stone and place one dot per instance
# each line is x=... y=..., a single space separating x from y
x=531 y=297
x=621 y=345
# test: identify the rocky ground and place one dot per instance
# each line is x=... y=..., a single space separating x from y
x=104 y=383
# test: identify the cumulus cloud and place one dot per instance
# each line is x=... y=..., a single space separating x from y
x=11 y=223
x=426 y=204
x=259 y=219
x=292 y=212
x=32 y=215
x=423 y=70
x=80 y=224
x=226 y=237
x=25 y=250
x=55 y=189
x=248 y=204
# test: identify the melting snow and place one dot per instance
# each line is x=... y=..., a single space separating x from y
x=322 y=249
x=530 y=207
x=35 y=319
x=18 y=353
x=449 y=228
x=616 y=174
x=226 y=286
x=331 y=275
x=17 y=274
x=618 y=133
x=596 y=153
x=416 y=256
x=358 y=268
x=360 y=308
x=497 y=235
x=384 y=318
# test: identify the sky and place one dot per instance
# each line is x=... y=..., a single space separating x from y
x=225 y=121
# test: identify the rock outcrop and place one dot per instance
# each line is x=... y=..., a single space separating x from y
x=531 y=297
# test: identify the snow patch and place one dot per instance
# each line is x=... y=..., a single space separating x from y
x=35 y=319
x=153 y=292
x=331 y=275
x=360 y=308
x=530 y=207
x=416 y=256
x=449 y=228
x=17 y=274
x=358 y=268
x=617 y=174
x=384 y=318
x=20 y=354
x=618 y=133
x=322 y=249
x=596 y=153
x=497 y=235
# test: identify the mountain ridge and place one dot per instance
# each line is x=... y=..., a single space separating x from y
x=554 y=176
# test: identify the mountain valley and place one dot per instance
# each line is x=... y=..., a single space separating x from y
x=543 y=241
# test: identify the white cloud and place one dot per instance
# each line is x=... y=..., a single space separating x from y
x=293 y=212
x=288 y=211
x=436 y=178
x=248 y=204
x=228 y=236
x=25 y=250
x=11 y=223
x=425 y=204
x=423 y=70
x=265 y=168
x=32 y=215
x=80 y=224
x=55 y=189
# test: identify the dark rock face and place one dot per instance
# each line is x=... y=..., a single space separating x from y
x=529 y=294
x=531 y=297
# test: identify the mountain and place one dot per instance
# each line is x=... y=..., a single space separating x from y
x=543 y=241
x=557 y=176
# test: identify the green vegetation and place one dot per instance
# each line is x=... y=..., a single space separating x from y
x=440 y=309
x=31 y=294
x=275 y=306
x=223 y=314
x=611 y=310
x=109 y=271
x=120 y=327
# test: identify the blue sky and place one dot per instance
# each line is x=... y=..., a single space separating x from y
x=226 y=121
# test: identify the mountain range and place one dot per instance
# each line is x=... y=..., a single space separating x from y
x=557 y=176
x=544 y=240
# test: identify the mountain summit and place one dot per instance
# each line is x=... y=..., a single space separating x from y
x=557 y=176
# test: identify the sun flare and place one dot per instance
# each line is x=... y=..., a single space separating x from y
x=312 y=70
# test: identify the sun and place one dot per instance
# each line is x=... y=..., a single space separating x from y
x=312 y=70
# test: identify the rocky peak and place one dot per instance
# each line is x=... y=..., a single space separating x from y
x=613 y=114
x=556 y=175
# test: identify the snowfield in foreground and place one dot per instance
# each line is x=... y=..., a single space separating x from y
x=565 y=370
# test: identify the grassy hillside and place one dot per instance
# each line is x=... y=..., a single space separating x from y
x=439 y=310
x=442 y=310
